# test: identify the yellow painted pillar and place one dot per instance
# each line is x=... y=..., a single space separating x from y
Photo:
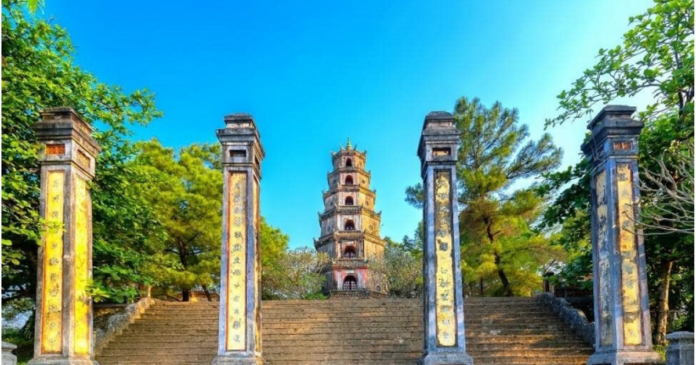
x=63 y=308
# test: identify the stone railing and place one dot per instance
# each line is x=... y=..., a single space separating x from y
x=118 y=322
x=572 y=316
x=681 y=348
x=7 y=357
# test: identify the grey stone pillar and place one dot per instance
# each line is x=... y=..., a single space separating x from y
x=443 y=309
x=63 y=308
x=680 y=350
x=7 y=357
x=622 y=317
x=239 y=340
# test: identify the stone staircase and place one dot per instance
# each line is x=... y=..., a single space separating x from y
x=499 y=331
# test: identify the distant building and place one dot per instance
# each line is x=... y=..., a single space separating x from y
x=350 y=228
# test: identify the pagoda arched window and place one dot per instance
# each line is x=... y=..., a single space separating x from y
x=349 y=253
x=349 y=200
x=349 y=180
x=349 y=163
x=349 y=226
x=350 y=283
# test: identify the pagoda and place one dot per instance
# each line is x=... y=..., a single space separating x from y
x=350 y=228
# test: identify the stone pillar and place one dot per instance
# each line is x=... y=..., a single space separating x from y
x=443 y=309
x=239 y=340
x=7 y=357
x=63 y=308
x=680 y=350
x=622 y=317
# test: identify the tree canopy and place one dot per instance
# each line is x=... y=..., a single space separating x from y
x=186 y=194
x=656 y=56
x=298 y=274
x=39 y=71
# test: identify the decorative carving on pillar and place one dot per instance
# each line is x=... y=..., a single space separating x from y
x=240 y=296
x=620 y=285
x=64 y=309
x=52 y=308
x=443 y=309
x=236 y=269
x=83 y=330
x=444 y=291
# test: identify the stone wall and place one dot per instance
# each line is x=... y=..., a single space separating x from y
x=572 y=316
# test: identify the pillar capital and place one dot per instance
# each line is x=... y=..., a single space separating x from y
x=613 y=133
x=439 y=140
x=66 y=139
x=241 y=142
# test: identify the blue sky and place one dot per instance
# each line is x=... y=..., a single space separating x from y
x=313 y=73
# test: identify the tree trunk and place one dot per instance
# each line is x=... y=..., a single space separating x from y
x=663 y=303
x=183 y=258
x=207 y=293
x=503 y=277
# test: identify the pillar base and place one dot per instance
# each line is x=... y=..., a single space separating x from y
x=637 y=357
x=237 y=360
x=448 y=358
x=61 y=361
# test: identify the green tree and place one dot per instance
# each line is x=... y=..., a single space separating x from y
x=402 y=269
x=657 y=57
x=500 y=250
x=274 y=245
x=495 y=222
x=39 y=71
x=297 y=275
x=186 y=193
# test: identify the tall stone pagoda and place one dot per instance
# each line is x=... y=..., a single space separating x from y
x=350 y=228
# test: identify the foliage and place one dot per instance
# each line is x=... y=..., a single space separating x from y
x=274 y=245
x=185 y=191
x=501 y=252
x=297 y=275
x=656 y=56
x=570 y=211
x=402 y=269
x=38 y=72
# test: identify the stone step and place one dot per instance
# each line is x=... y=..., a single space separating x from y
x=499 y=331
x=337 y=362
x=532 y=359
x=178 y=351
x=329 y=357
x=140 y=359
